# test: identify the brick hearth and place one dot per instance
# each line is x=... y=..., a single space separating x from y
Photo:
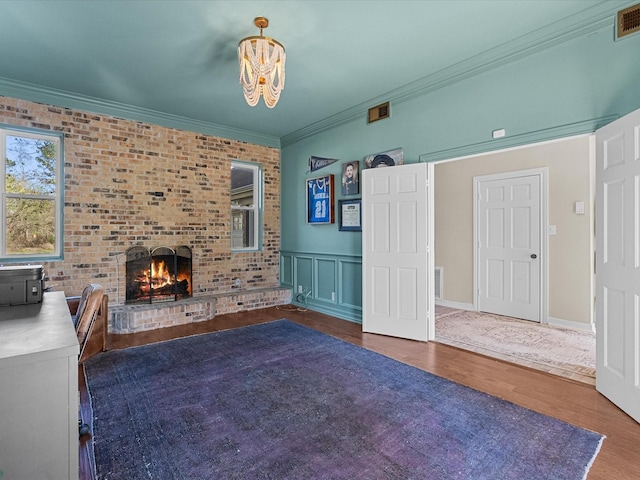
x=136 y=318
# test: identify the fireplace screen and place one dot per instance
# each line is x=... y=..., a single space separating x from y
x=162 y=274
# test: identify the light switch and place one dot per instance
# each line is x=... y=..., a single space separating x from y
x=579 y=208
x=551 y=229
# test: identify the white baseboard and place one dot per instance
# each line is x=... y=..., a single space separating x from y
x=459 y=305
x=559 y=322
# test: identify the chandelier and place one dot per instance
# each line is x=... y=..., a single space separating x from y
x=261 y=67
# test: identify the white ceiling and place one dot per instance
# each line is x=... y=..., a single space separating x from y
x=178 y=58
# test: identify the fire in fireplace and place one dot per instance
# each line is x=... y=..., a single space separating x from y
x=161 y=274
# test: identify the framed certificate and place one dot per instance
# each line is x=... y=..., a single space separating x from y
x=320 y=200
x=350 y=215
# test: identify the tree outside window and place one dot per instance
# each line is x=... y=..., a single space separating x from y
x=31 y=195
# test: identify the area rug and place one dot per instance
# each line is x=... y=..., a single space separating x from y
x=282 y=401
x=562 y=351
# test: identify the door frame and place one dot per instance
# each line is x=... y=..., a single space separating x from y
x=543 y=174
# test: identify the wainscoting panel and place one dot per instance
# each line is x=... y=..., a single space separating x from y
x=286 y=269
x=325 y=277
x=350 y=272
x=302 y=275
x=330 y=284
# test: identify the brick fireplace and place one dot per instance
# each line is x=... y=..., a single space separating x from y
x=131 y=183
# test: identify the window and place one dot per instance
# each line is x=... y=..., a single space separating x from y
x=31 y=186
x=246 y=205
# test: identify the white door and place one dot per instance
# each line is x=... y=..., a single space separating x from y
x=618 y=263
x=397 y=251
x=509 y=244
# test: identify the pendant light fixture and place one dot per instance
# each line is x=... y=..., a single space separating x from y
x=262 y=62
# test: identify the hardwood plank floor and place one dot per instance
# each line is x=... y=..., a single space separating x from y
x=574 y=402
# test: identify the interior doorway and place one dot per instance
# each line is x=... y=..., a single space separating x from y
x=567 y=234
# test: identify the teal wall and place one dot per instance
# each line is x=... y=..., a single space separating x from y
x=570 y=88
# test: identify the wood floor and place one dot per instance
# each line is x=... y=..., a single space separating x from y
x=574 y=402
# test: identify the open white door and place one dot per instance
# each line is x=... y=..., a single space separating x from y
x=397 y=251
x=618 y=263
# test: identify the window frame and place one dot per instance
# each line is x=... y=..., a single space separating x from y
x=257 y=207
x=57 y=197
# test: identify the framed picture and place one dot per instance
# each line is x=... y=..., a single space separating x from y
x=320 y=200
x=350 y=215
x=350 y=178
x=384 y=159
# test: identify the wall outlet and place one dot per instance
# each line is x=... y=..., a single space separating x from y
x=299 y=288
x=333 y=296
x=238 y=282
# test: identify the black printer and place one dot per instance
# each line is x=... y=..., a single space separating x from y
x=21 y=284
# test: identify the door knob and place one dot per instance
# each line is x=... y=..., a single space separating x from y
x=534 y=256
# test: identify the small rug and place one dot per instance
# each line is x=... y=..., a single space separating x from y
x=282 y=401
x=562 y=351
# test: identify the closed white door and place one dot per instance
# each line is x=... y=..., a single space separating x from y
x=508 y=232
x=618 y=263
x=397 y=251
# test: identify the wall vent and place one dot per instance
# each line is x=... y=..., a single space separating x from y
x=438 y=283
x=628 y=21
x=379 y=112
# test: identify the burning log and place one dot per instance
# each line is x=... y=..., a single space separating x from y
x=180 y=288
x=159 y=275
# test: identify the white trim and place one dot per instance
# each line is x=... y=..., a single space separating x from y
x=559 y=322
x=460 y=305
x=511 y=149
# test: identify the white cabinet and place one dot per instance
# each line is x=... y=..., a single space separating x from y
x=38 y=391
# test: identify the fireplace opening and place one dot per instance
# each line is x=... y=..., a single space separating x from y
x=161 y=274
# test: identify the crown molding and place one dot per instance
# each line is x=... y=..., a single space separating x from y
x=536 y=136
x=64 y=99
x=588 y=21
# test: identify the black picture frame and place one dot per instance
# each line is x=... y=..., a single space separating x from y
x=320 y=200
x=350 y=215
x=350 y=181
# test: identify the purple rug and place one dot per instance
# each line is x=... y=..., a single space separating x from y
x=282 y=401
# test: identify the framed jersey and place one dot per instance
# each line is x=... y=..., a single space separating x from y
x=320 y=197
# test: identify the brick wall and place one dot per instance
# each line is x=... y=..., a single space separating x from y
x=131 y=183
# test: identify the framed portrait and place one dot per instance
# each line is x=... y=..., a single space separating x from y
x=350 y=215
x=351 y=178
x=384 y=159
x=320 y=200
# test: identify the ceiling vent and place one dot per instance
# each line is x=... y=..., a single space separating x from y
x=379 y=112
x=628 y=21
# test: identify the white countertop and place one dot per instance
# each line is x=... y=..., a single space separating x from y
x=43 y=330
